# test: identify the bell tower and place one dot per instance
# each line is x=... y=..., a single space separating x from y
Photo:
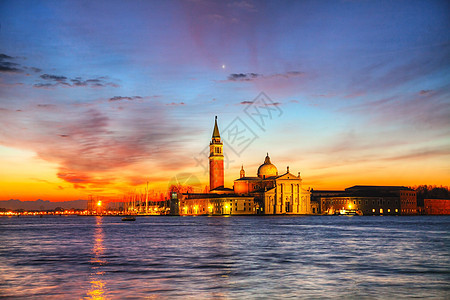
x=216 y=175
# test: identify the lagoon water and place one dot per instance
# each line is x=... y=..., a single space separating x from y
x=313 y=257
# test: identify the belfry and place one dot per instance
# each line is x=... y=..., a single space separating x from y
x=216 y=173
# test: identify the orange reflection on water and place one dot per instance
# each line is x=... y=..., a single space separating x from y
x=98 y=286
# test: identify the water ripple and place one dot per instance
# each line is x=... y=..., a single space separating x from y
x=225 y=258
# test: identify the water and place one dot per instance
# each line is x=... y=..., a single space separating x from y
x=225 y=258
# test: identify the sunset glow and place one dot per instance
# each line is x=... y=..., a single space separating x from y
x=101 y=97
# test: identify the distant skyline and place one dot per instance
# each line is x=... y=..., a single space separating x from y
x=99 y=97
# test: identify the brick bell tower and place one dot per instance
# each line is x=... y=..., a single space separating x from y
x=216 y=175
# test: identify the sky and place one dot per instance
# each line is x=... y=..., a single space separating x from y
x=100 y=97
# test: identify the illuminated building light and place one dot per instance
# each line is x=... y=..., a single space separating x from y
x=99 y=203
x=373 y=210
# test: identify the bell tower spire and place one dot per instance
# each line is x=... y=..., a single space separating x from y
x=216 y=134
x=216 y=173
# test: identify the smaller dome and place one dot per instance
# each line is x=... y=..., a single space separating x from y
x=267 y=169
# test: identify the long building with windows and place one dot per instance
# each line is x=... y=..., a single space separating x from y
x=367 y=200
x=267 y=193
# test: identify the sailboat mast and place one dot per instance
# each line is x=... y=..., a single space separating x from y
x=146 y=199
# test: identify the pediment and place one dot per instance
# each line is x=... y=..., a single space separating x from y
x=287 y=176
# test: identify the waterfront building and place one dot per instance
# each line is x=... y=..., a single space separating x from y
x=436 y=206
x=266 y=193
x=368 y=200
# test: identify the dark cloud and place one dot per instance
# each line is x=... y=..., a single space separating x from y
x=4 y=56
x=247 y=102
x=292 y=73
x=46 y=106
x=59 y=80
x=9 y=67
x=79 y=82
x=255 y=76
x=96 y=82
x=54 y=77
x=45 y=85
x=36 y=70
x=119 y=98
x=243 y=77
x=425 y=92
x=6 y=66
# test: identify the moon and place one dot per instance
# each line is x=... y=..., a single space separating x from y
x=223 y=66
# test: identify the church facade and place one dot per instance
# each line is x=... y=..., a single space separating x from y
x=267 y=193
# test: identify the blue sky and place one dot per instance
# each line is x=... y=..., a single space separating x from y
x=106 y=95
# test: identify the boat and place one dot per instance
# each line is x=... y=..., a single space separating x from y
x=348 y=212
x=129 y=218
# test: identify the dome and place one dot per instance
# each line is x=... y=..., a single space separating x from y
x=267 y=169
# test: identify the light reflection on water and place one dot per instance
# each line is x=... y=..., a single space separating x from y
x=225 y=258
x=98 y=287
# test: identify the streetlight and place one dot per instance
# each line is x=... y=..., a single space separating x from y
x=99 y=206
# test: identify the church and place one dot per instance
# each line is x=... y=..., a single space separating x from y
x=267 y=193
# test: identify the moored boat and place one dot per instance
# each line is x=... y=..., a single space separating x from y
x=348 y=212
x=129 y=218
